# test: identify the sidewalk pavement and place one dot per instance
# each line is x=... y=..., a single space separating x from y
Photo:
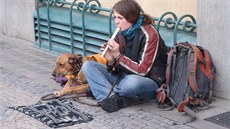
x=25 y=77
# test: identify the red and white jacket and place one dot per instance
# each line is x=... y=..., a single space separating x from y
x=145 y=55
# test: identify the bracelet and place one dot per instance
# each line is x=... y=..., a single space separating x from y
x=118 y=56
x=111 y=63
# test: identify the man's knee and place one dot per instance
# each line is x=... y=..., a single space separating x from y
x=129 y=89
x=86 y=66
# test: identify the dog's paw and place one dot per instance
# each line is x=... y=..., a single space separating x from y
x=56 y=94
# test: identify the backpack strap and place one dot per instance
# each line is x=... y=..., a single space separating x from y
x=205 y=58
x=163 y=92
x=210 y=72
x=169 y=66
x=182 y=107
x=162 y=95
x=174 y=62
x=211 y=89
x=193 y=58
x=204 y=66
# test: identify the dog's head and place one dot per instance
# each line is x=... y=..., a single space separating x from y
x=67 y=64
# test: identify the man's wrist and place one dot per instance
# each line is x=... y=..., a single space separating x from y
x=110 y=63
x=117 y=57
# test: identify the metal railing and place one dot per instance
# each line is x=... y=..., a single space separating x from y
x=92 y=8
x=174 y=23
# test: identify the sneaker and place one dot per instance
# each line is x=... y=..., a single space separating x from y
x=115 y=103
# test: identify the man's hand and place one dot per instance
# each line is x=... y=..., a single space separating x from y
x=114 y=48
x=108 y=56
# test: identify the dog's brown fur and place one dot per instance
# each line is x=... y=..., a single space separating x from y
x=65 y=67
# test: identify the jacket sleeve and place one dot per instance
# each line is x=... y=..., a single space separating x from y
x=148 y=53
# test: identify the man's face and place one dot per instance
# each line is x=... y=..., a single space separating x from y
x=120 y=21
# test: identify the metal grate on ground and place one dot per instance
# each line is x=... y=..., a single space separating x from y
x=222 y=119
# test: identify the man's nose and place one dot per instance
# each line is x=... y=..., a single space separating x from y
x=116 y=21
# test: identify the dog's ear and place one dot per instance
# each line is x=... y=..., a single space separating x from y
x=75 y=59
x=72 y=60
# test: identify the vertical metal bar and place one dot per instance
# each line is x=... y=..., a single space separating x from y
x=48 y=23
x=71 y=27
x=110 y=23
x=83 y=26
x=38 y=20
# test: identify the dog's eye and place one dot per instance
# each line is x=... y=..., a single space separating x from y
x=60 y=65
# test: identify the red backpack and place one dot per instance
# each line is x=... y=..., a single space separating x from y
x=190 y=74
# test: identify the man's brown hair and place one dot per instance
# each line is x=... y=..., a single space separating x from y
x=131 y=11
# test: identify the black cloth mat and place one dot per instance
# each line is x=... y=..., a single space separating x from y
x=55 y=113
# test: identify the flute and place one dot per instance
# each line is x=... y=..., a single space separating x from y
x=113 y=36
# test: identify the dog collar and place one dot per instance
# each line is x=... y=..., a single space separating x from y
x=78 y=67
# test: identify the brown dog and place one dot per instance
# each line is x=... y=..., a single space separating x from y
x=68 y=66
